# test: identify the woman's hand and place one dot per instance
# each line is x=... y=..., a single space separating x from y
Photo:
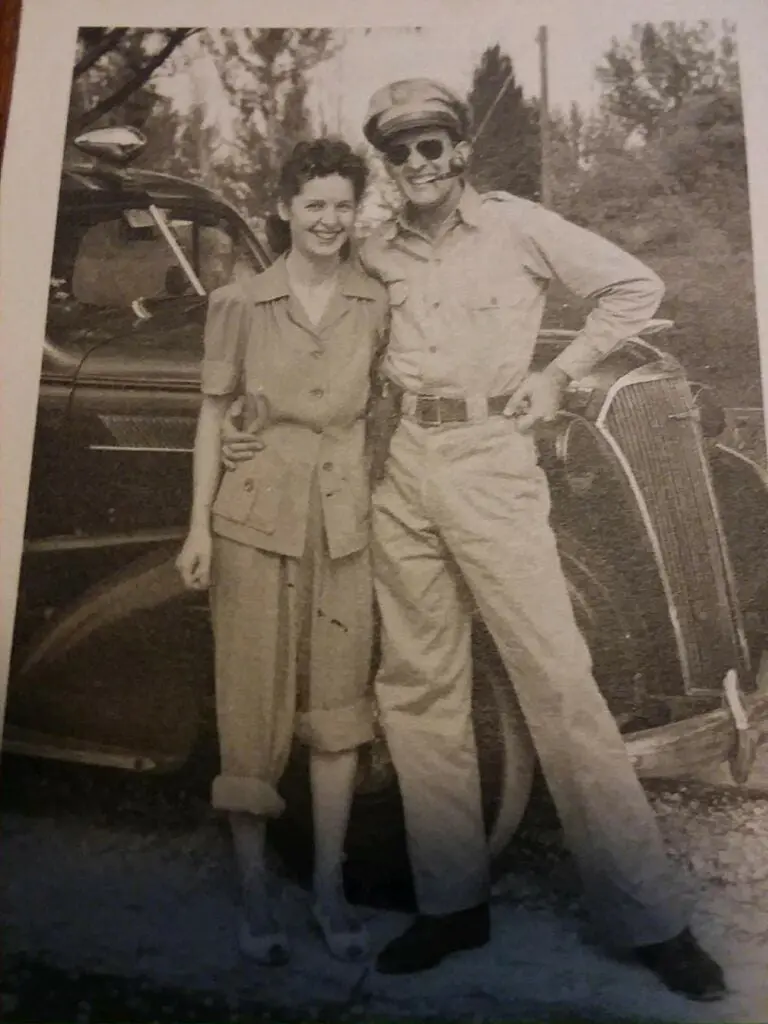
x=238 y=445
x=194 y=560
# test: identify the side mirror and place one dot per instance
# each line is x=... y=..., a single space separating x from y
x=115 y=145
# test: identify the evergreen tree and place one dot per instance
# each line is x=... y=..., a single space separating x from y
x=507 y=153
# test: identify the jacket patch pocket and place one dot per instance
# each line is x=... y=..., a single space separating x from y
x=251 y=494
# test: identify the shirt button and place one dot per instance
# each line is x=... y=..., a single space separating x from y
x=317 y=392
x=433 y=348
x=248 y=485
x=327 y=465
x=435 y=305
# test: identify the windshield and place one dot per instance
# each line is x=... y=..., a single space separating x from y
x=111 y=258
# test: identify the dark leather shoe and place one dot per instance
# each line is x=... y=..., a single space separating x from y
x=430 y=939
x=683 y=966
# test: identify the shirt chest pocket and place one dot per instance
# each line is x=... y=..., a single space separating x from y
x=487 y=299
x=252 y=493
x=508 y=288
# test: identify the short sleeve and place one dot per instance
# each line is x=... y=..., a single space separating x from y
x=224 y=341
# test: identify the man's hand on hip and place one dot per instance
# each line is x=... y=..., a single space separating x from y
x=537 y=399
x=238 y=445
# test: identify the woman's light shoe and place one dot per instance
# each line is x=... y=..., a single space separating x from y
x=346 y=938
x=270 y=949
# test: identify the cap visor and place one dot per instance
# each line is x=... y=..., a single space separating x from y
x=409 y=121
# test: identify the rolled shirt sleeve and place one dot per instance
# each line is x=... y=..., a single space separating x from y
x=224 y=341
x=626 y=292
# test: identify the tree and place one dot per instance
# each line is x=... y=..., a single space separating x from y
x=660 y=168
x=507 y=153
x=661 y=66
x=111 y=72
x=263 y=74
x=704 y=152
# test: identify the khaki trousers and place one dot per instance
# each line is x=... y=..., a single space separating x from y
x=466 y=506
x=293 y=641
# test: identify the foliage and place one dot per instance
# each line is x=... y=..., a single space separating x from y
x=233 y=142
x=264 y=76
x=662 y=66
x=507 y=153
x=660 y=169
x=112 y=69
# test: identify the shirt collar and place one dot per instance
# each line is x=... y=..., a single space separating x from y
x=273 y=283
x=470 y=207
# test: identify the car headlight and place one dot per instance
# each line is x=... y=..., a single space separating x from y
x=580 y=457
x=711 y=414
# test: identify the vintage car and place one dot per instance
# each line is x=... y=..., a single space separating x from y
x=663 y=529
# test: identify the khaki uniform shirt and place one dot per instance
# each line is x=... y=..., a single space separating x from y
x=466 y=308
x=316 y=382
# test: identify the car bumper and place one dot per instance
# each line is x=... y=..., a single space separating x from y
x=701 y=742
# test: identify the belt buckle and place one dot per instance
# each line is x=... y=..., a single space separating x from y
x=432 y=403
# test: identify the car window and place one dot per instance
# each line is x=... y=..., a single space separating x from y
x=119 y=257
x=209 y=248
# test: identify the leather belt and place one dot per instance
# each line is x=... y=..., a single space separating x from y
x=433 y=410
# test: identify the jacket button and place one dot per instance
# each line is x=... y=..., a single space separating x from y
x=248 y=485
x=327 y=465
x=317 y=392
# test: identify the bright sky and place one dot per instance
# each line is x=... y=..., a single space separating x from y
x=340 y=88
x=450 y=53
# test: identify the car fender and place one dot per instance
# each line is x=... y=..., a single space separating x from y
x=146 y=583
x=124 y=673
x=741 y=487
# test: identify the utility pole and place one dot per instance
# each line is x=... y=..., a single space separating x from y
x=546 y=188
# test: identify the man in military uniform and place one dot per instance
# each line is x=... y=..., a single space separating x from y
x=463 y=508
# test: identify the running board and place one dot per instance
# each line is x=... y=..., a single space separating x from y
x=27 y=743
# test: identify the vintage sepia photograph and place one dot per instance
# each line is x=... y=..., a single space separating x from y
x=390 y=626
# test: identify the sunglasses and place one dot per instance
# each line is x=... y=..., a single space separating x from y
x=399 y=153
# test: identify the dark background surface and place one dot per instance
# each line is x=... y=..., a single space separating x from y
x=10 y=13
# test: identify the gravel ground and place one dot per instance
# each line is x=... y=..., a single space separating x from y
x=118 y=905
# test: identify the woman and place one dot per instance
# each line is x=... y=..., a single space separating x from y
x=282 y=539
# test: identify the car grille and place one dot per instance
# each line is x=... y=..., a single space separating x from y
x=661 y=442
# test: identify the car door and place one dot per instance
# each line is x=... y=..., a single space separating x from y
x=136 y=395
x=109 y=672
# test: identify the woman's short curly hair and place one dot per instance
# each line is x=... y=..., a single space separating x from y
x=319 y=158
x=316 y=158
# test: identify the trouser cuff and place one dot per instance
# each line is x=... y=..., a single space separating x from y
x=248 y=794
x=333 y=730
